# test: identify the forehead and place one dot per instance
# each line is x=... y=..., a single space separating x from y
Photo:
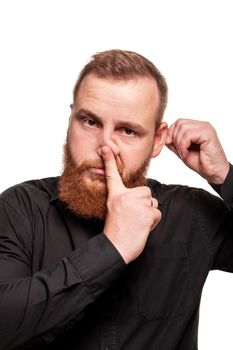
x=136 y=97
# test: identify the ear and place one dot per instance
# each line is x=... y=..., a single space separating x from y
x=159 y=139
x=71 y=107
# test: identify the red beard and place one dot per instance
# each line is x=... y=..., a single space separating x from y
x=90 y=202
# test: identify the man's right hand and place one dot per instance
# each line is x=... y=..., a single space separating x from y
x=131 y=212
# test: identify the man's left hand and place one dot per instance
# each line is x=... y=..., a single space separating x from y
x=197 y=144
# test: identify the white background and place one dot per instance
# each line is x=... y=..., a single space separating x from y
x=45 y=43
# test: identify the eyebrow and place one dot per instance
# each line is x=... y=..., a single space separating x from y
x=125 y=123
x=89 y=114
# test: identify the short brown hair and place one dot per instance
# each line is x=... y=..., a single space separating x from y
x=124 y=65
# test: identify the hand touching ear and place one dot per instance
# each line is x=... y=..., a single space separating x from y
x=197 y=144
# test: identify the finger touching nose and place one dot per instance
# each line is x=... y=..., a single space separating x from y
x=113 y=178
x=108 y=138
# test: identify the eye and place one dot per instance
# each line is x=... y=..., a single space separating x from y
x=89 y=122
x=128 y=132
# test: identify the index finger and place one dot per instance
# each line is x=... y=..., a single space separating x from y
x=113 y=178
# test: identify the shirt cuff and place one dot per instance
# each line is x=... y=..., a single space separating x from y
x=98 y=263
x=225 y=190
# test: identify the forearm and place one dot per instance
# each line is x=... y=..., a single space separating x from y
x=33 y=306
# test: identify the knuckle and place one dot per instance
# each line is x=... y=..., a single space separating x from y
x=208 y=125
x=123 y=199
x=157 y=215
x=147 y=191
x=179 y=121
x=118 y=199
x=117 y=202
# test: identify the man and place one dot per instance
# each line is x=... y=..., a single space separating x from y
x=101 y=257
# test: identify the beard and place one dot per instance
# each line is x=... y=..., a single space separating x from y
x=88 y=199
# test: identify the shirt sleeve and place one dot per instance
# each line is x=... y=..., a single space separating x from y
x=225 y=190
x=221 y=242
x=33 y=306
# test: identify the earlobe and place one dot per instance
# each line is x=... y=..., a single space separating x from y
x=159 y=139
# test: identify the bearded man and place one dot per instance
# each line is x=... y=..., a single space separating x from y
x=102 y=257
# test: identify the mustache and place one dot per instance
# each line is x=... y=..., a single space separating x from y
x=87 y=164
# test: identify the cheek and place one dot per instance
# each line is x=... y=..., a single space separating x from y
x=81 y=146
x=80 y=137
x=134 y=157
x=130 y=160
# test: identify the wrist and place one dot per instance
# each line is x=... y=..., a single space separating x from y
x=219 y=178
x=121 y=249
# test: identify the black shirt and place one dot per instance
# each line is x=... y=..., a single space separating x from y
x=63 y=285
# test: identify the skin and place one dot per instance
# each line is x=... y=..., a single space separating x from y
x=197 y=144
x=115 y=120
x=102 y=128
x=117 y=114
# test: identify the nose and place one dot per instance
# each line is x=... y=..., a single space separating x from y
x=108 y=138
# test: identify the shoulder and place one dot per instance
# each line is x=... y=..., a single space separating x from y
x=26 y=193
x=181 y=196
